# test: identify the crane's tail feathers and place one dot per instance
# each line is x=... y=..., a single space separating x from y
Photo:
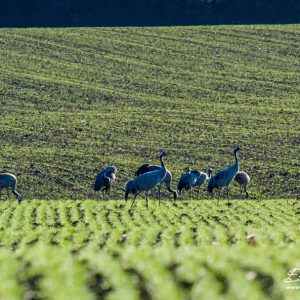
x=181 y=186
x=97 y=185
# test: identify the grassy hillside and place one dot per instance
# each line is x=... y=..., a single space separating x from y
x=76 y=100
x=191 y=250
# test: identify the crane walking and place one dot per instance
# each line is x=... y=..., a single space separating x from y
x=147 y=181
x=223 y=178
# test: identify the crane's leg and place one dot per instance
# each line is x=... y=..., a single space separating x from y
x=210 y=195
x=219 y=192
x=245 y=189
x=0 y=193
x=102 y=193
x=133 y=201
x=159 y=188
x=146 y=199
x=227 y=193
x=174 y=197
x=7 y=190
x=198 y=193
x=242 y=187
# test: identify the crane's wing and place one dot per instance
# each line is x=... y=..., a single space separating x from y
x=99 y=182
x=142 y=169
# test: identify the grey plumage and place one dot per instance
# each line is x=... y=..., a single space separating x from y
x=223 y=178
x=187 y=180
x=105 y=178
x=146 y=182
x=145 y=168
x=9 y=181
x=202 y=178
x=243 y=179
x=167 y=180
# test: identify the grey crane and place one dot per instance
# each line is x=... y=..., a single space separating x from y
x=202 y=178
x=223 y=178
x=187 y=180
x=243 y=179
x=104 y=179
x=9 y=181
x=146 y=182
x=145 y=168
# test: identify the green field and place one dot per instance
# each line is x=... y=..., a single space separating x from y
x=192 y=250
x=76 y=100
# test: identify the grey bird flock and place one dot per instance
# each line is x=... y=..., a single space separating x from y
x=147 y=177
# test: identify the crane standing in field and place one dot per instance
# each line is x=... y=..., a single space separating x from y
x=202 y=179
x=147 y=181
x=104 y=179
x=243 y=179
x=145 y=168
x=9 y=181
x=187 y=180
x=223 y=178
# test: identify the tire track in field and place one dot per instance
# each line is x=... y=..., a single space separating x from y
x=239 y=78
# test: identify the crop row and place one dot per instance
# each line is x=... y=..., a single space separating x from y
x=194 y=222
x=94 y=250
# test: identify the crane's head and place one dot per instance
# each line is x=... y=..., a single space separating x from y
x=236 y=148
x=113 y=169
x=209 y=171
x=162 y=153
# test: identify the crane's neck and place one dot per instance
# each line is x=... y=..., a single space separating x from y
x=161 y=158
x=163 y=170
x=235 y=157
